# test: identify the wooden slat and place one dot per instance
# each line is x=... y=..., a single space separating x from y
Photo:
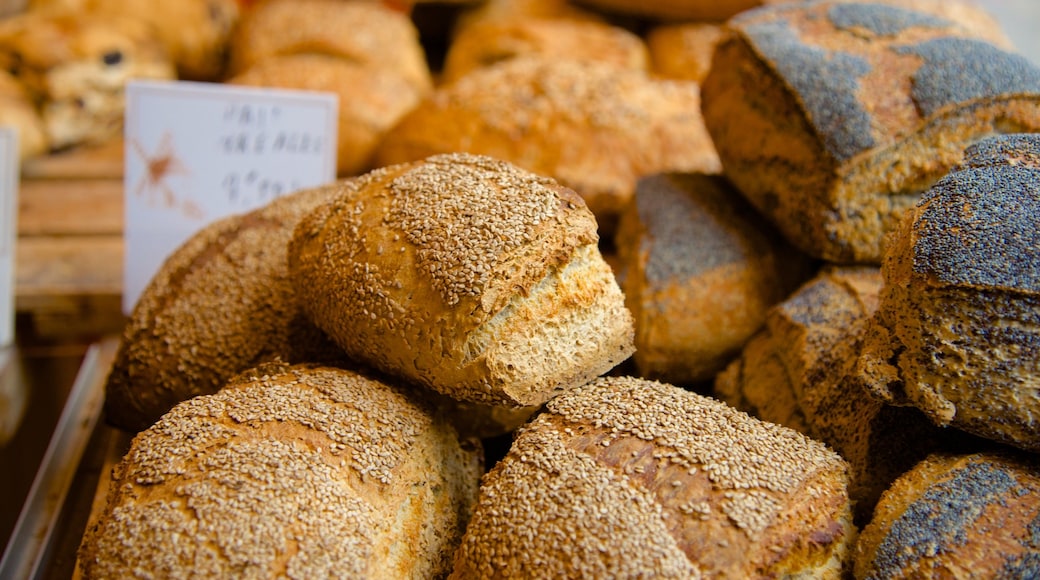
x=68 y=266
x=99 y=162
x=66 y=207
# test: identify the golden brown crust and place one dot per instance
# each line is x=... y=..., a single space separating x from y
x=465 y=274
x=626 y=477
x=17 y=110
x=712 y=10
x=221 y=303
x=371 y=100
x=684 y=50
x=509 y=10
x=853 y=114
x=378 y=36
x=591 y=126
x=955 y=514
x=702 y=268
x=292 y=471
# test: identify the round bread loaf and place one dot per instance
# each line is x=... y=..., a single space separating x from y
x=484 y=44
x=834 y=117
x=701 y=268
x=627 y=478
x=591 y=126
x=957 y=332
x=366 y=33
x=220 y=304
x=956 y=515
x=288 y=472
x=371 y=100
x=465 y=274
x=18 y=111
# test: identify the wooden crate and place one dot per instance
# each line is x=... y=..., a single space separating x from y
x=69 y=252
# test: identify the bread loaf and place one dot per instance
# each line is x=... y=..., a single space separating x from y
x=834 y=117
x=465 y=274
x=967 y=515
x=701 y=268
x=626 y=478
x=957 y=332
x=219 y=304
x=699 y=10
x=289 y=471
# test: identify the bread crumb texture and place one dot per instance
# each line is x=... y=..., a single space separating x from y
x=626 y=477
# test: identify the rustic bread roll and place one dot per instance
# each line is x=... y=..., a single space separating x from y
x=716 y=10
x=289 y=471
x=957 y=332
x=371 y=101
x=683 y=50
x=592 y=127
x=833 y=117
x=508 y=10
x=220 y=304
x=18 y=111
x=367 y=33
x=467 y=275
x=956 y=515
x=626 y=477
x=76 y=67
x=481 y=45
x=701 y=270
x=796 y=372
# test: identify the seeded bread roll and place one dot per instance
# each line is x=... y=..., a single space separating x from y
x=956 y=515
x=957 y=332
x=466 y=274
x=288 y=472
x=796 y=372
x=626 y=477
x=701 y=269
x=488 y=43
x=834 y=117
x=592 y=127
x=220 y=304
x=371 y=100
x=366 y=33
x=18 y=111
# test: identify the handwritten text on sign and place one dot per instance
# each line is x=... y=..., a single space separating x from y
x=198 y=152
x=9 y=167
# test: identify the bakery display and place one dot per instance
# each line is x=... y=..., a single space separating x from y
x=626 y=477
x=956 y=514
x=957 y=332
x=219 y=304
x=289 y=471
x=593 y=127
x=834 y=117
x=700 y=268
x=466 y=274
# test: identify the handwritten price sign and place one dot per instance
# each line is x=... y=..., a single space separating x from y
x=198 y=152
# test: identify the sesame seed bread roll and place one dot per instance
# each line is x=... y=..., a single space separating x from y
x=487 y=43
x=219 y=304
x=956 y=515
x=467 y=275
x=365 y=33
x=957 y=332
x=834 y=117
x=288 y=472
x=626 y=478
x=701 y=269
x=591 y=126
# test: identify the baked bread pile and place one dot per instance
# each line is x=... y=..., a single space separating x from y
x=825 y=229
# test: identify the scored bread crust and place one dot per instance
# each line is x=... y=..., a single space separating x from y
x=289 y=471
x=626 y=477
x=465 y=274
x=833 y=117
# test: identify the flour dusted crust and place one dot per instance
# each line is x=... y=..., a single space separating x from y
x=701 y=268
x=221 y=303
x=957 y=332
x=856 y=110
x=466 y=274
x=289 y=471
x=626 y=477
x=371 y=100
x=591 y=126
x=956 y=514
x=366 y=33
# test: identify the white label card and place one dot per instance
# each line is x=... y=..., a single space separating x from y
x=198 y=152
x=9 y=168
